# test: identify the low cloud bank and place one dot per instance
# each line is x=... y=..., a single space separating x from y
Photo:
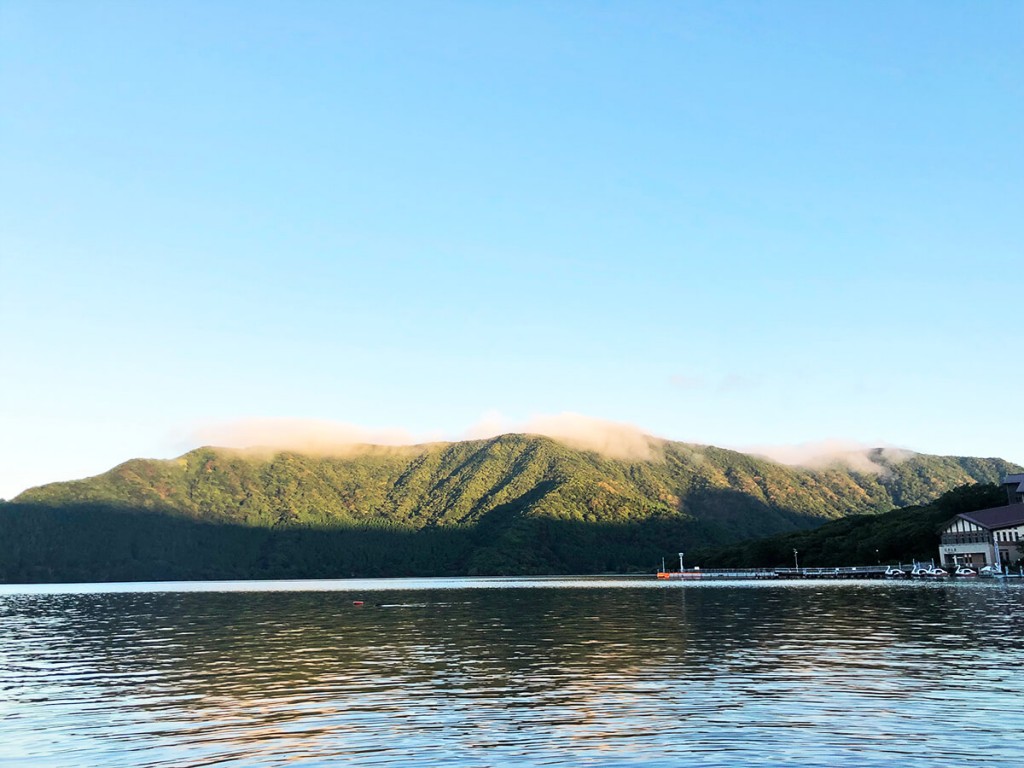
x=300 y=435
x=611 y=439
x=859 y=457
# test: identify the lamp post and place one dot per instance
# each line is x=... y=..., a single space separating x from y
x=680 y=562
x=878 y=560
x=796 y=562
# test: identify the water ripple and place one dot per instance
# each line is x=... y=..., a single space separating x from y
x=511 y=672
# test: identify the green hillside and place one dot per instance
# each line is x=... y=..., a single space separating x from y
x=901 y=535
x=511 y=504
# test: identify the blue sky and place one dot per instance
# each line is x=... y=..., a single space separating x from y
x=730 y=223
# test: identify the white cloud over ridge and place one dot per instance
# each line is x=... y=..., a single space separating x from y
x=824 y=453
x=609 y=438
x=300 y=435
x=612 y=439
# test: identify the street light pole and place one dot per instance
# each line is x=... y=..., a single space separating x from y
x=680 y=562
x=796 y=562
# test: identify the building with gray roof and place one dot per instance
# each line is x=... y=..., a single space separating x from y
x=1014 y=485
x=987 y=536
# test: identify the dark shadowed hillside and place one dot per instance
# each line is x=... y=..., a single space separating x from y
x=901 y=535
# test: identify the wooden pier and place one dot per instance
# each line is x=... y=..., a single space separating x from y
x=708 y=574
x=855 y=572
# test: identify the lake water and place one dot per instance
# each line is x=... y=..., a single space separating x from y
x=559 y=672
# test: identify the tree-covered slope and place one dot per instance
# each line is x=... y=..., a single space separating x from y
x=514 y=503
x=900 y=535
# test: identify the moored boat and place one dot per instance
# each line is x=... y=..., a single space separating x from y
x=682 y=573
x=693 y=574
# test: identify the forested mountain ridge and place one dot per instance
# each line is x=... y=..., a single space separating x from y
x=459 y=483
x=513 y=503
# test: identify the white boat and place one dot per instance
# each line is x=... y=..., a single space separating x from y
x=892 y=572
x=963 y=570
x=991 y=571
x=936 y=573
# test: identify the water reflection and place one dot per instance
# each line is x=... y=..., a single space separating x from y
x=810 y=674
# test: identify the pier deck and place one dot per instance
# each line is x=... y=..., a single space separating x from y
x=851 y=572
x=846 y=572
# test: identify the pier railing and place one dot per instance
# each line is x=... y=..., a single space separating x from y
x=851 y=572
x=848 y=572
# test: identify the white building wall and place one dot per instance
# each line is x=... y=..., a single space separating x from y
x=978 y=546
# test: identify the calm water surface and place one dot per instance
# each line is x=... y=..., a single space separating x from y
x=509 y=672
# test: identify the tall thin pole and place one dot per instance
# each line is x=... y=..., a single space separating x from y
x=796 y=562
x=680 y=562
